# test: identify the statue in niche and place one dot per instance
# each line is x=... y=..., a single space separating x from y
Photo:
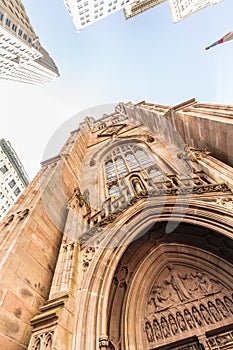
x=222 y=308
x=181 y=321
x=189 y=319
x=176 y=281
x=137 y=185
x=197 y=317
x=165 y=328
x=173 y=324
x=229 y=304
x=214 y=312
x=205 y=313
x=149 y=332
x=157 y=330
x=86 y=197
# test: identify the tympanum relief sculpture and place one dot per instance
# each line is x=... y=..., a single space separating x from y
x=184 y=299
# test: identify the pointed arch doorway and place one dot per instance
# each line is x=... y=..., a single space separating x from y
x=173 y=291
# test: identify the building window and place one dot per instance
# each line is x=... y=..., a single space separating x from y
x=20 y=32
x=25 y=36
x=17 y=191
x=1 y=16
x=123 y=161
x=29 y=40
x=4 y=169
x=12 y=183
x=14 y=27
x=8 y=22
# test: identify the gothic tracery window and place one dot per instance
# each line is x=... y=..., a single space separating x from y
x=124 y=160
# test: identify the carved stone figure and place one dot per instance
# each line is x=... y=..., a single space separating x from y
x=175 y=279
x=222 y=308
x=189 y=319
x=86 y=197
x=165 y=328
x=173 y=324
x=201 y=282
x=205 y=313
x=197 y=316
x=214 y=312
x=181 y=321
x=158 y=296
x=157 y=330
x=229 y=304
x=149 y=332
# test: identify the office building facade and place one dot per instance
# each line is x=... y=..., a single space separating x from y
x=87 y=12
x=13 y=178
x=181 y=9
x=22 y=58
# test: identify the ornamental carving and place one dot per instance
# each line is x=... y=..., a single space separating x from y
x=76 y=200
x=196 y=153
x=221 y=341
x=103 y=342
x=42 y=341
x=79 y=200
x=191 y=154
x=169 y=185
x=225 y=202
x=88 y=255
x=183 y=300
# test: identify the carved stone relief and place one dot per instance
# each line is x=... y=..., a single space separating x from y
x=42 y=341
x=88 y=255
x=221 y=341
x=184 y=299
x=225 y=202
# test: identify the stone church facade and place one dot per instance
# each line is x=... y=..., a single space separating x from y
x=124 y=240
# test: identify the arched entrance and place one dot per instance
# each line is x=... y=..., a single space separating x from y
x=173 y=291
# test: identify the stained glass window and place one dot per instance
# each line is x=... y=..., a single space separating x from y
x=122 y=161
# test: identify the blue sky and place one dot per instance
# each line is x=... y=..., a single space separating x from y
x=145 y=58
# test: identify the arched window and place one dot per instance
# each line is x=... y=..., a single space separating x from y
x=124 y=160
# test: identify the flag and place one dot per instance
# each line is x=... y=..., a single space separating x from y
x=227 y=37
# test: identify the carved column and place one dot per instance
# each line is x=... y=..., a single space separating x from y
x=57 y=315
